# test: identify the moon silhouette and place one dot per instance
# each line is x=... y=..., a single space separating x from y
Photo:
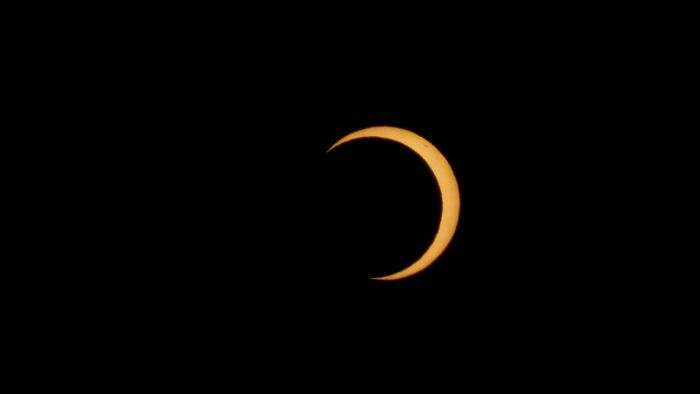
x=447 y=182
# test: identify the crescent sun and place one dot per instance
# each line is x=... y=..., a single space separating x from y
x=447 y=183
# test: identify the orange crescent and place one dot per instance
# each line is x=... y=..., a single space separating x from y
x=447 y=183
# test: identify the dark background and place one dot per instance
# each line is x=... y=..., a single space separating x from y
x=185 y=228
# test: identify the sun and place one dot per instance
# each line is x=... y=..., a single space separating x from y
x=447 y=183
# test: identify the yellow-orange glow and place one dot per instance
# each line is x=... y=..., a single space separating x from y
x=447 y=182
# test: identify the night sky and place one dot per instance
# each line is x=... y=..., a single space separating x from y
x=187 y=229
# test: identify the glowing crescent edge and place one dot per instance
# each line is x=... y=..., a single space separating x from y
x=447 y=183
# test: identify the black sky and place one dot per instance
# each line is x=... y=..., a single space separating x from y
x=188 y=229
